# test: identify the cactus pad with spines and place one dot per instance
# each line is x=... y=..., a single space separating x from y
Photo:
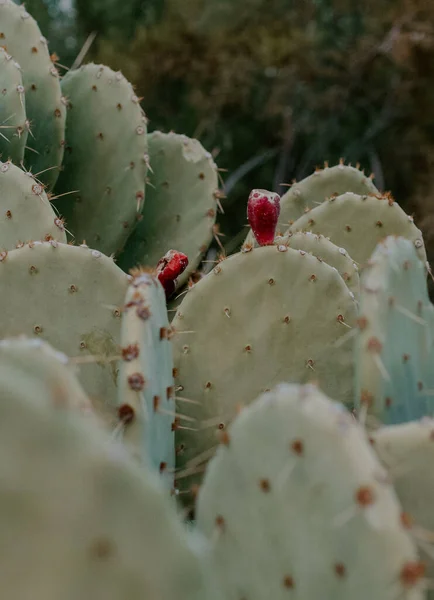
x=296 y=490
x=72 y=297
x=395 y=344
x=25 y=212
x=46 y=112
x=180 y=208
x=146 y=388
x=105 y=162
x=358 y=223
x=260 y=317
x=13 y=122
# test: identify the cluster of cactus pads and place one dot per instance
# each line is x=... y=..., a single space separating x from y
x=273 y=437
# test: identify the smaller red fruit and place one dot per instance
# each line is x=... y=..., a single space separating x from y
x=263 y=210
x=169 y=268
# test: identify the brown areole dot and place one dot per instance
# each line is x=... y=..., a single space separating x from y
x=126 y=413
x=264 y=485
x=288 y=582
x=136 y=382
x=297 y=447
x=130 y=352
x=364 y=496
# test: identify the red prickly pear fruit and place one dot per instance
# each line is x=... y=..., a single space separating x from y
x=169 y=268
x=263 y=210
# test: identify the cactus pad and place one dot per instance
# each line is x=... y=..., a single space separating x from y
x=296 y=491
x=46 y=112
x=358 y=223
x=146 y=389
x=13 y=122
x=260 y=317
x=395 y=345
x=71 y=297
x=180 y=208
x=105 y=157
x=25 y=212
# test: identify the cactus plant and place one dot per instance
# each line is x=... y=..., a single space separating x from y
x=105 y=157
x=180 y=209
x=296 y=491
x=395 y=345
x=45 y=109
x=13 y=122
x=258 y=318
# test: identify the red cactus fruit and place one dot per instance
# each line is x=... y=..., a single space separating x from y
x=263 y=210
x=169 y=268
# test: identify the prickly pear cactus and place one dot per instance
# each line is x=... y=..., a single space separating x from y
x=106 y=157
x=258 y=318
x=20 y=37
x=13 y=122
x=25 y=212
x=395 y=345
x=146 y=389
x=71 y=297
x=358 y=223
x=296 y=491
x=78 y=518
x=180 y=209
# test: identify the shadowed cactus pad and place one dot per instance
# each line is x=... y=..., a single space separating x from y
x=106 y=157
x=13 y=123
x=258 y=318
x=146 y=389
x=71 y=297
x=358 y=223
x=395 y=345
x=46 y=112
x=180 y=208
x=25 y=212
x=296 y=491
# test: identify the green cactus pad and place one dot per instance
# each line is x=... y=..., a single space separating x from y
x=395 y=345
x=105 y=157
x=323 y=249
x=180 y=208
x=261 y=317
x=46 y=112
x=297 y=505
x=25 y=212
x=78 y=518
x=146 y=388
x=358 y=223
x=322 y=184
x=13 y=122
x=45 y=374
x=71 y=297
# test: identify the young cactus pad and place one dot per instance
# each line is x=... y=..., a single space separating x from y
x=79 y=520
x=358 y=223
x=395 y=345
x=106 y=157
x=25 y=212
x=146 y=389
x=13 y=122
x=180 y=209
x=44 y=374
x=296 y=490
x=72 y=297
x=259 y=317
x=319 y=186
x=46 y=112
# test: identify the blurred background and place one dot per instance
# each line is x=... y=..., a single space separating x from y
x=273 y=88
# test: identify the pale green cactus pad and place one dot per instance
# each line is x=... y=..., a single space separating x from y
x=105 y=160
x=71 y=297
x=297 y=505
x=180 y=209
x=146 y=388
x=395 y=344
x=46 y=111
x=315 y=189
x=358 y=223
x=13 y=122
x=260 y=317
x=78 y=518
x=25 y=212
